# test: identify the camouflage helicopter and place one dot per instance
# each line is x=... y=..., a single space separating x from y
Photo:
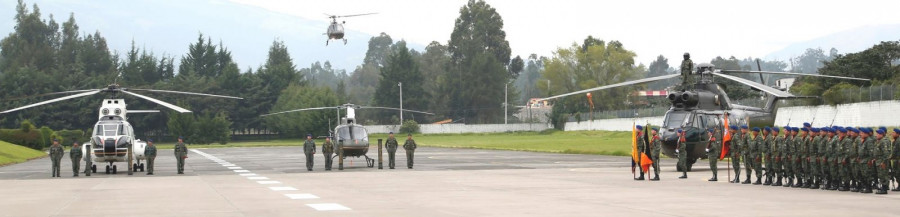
x=699 y=106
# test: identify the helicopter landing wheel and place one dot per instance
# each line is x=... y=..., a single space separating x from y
x=142 y=167
x=134 y=167
x=114 y=169
x=93 y=168
x=107 y=169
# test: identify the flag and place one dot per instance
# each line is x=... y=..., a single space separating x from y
x=635 y=156
x=645 y=162
x=726 y=139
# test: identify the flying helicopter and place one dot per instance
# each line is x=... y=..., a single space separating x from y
x=113 y=134
x=704 y=104
x=336 y=30
x=354 y=136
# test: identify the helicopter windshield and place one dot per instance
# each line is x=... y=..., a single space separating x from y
x=675 y=119
x=359 y=133
x=109 y=130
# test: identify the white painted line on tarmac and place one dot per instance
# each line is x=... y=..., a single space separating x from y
x=328 y=206
x=228 y=165
x=247 y=174
x=301 y=196
x=268 y=182
x=242 y=171
x=234 y=168
x=257 y=178
x=283 y=188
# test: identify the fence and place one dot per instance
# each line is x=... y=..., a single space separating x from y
x=463 y=128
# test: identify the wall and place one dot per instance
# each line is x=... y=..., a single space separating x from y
x=864 y=114
x=617 y=124
x=462 y=128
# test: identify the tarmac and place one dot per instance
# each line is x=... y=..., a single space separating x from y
x=273 y=181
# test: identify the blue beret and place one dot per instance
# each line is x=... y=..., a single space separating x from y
x=392 y=132
x=880 y=131
x=804 y=129
x=806 y=124
x=776 y=129
x=655 y=128
x=854 y=130
x=768 y=128
x=638 y=127
x=883 y=128
x=842 y=130
x=679 y=130
x=309 y=134
x=711 y=130
x=896 y=130
x=55 y=140
x=850 y=128
x=180 y=137
x=795 y=129
x=150 y=140
x=864 y=130
x=733 y=127
x=756 y=129
x=744 y=127
x=814 y=130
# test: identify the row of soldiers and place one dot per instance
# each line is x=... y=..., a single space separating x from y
x=309 y=149
x=828 y=158
x=75 y=154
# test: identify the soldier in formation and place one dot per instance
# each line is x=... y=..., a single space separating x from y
x=75 y=154
x=641 y=149
x=712 y=153
x=410 y=147
x=309 y=149
x=327 y=152
x=56 y=154
x=150 y=154
x=391 y=145
x=180 y=154
x=655 y=147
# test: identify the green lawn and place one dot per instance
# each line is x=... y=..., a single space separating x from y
x=578 y=142
x=10 y=153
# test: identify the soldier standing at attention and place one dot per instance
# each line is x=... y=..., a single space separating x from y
x=830 y=164
x=327 y=152
x=150 y=154
x=309 y=148
x=655 y=147
x=746 y=151
x=736 y=153
x=799 y=156
x=843 y=167
x=75 y=154
x=767 y=152
x=815 y=158
x=641 y=149
x=786 y=162
x=712 y=147
x=756 y=154
x=777 y=143
x=180 y=154
x=56 y=154
x=865 y=161
x=391 y=145
x=852 y=157
x=882 y=158
x=681 y=150
x=895 y=157
x=687 y=66
x=410 y=147
x=87 y=159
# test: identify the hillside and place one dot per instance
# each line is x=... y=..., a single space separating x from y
x=11 y=153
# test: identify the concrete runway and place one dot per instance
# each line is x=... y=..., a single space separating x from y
x=445 y=182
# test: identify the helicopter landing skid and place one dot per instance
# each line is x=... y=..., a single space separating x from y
x=370 y=162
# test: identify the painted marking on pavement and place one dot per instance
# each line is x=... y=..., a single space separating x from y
x=257 y=178
x=301 y=196
x=234 y=168
x=242 y=171
x=268 y=182
x=328 y=206
x=247 y=174
x=283 y=188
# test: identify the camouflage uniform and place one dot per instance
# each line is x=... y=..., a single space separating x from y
x=75 y=154
x=769 y=145
x=799 y=157
x=832 y=154
x=150 y=154
x=309 y=149
x=737 y=147
x=327 y=152
x=787 y=162
x=777 y=153
x=56 y=154
x=756 y=152
x=682 y=155
x=866 y=164
x=853 y=157
x=391 y=145
x=180 y=155
x=815 y=160
x=713 y=154
x=410 y=147
x=746 y=146
x=895 y=156
x=882 y=157
x=845 y=162
x=655 y=147
x=687 y=66
x=642 y=148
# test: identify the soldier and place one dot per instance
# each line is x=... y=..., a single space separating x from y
x=410 y=147
x=767 y=150
x=800 y=156
x=87 y=159
x=830 y=167
x=150 y=154
x=309 y=149
x=756 y=154
x=865 y=161
x=852 y=158
x=180 y=154
x=815 y=158
x=712 y=153
x=686 y=67
x=746 y=146
x=56 y=154
x=641 y=149
x=327 y=152
x=735 y=153
x=843 y=169
x=784 y=157
x=391 y=145
x=75 y=154
x=882 y=161
x=681 y=150
x=895 y=157
x=775 y=149
x=655 y=147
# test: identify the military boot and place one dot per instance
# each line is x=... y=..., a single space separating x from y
x=777 y=181
x=798 y=184
x=896 y=189
x=881 y=190
x=713 y=179
x=790 y=182
x=758 y=181
x=843 y=187
x=736 y=180
x=640 y=178
x=768 y=180
x=854 y=187
x=868 y=190
x=684 y=175
x=655 y=178
x=746 y=181
x=835 y=185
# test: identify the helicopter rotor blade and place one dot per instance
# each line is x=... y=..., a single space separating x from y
x=355 y=15
x=389 y=108
x=187 y=93
x=300 y=110
x=757 y=85
x=792 y=73
x=160 y=102
x=48 y=94
x=53 y=100
x=627 y=83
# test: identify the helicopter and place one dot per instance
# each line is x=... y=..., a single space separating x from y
x=704 y=104
x=336 y=30
x=354 y=136
x=113 y=134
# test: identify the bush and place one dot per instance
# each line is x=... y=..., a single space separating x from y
x=409 y=126
x=69 y=136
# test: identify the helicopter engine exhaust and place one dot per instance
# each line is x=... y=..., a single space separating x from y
x=690 y=98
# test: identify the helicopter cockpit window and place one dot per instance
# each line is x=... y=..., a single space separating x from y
x=359 y=133
x=109 y=129
x=675 y=119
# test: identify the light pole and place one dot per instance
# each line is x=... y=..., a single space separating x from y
x=505 y=102
x=400 y=84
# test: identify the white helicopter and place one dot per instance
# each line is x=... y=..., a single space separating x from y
x=336 y=30
x=354 y=136
x=113 y=134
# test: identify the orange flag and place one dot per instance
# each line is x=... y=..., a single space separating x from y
x=726 y=139
x=645 y=162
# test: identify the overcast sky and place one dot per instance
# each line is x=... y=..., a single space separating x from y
x=650 y=28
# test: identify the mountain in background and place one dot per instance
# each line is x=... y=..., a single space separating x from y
x=169 y=27
x=848 y=41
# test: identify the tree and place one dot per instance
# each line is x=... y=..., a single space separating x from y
x=400 y=67
x=298 y=124
x=527 y=81
x=660 y=67
x=379 y=49
x=479 y=55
